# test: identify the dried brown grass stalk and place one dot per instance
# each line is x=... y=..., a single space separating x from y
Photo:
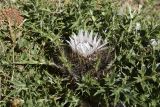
x=11 y=15
x=13 y=19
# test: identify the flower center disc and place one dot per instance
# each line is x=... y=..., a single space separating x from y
x=84 y=47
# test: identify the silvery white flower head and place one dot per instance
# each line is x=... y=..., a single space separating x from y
x=138 y=26
x=155 y=42
x=86 y=43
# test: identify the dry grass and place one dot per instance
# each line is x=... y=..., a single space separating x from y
x=134 y=4
x=12 y=16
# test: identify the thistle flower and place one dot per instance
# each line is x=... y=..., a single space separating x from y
x=85 y=44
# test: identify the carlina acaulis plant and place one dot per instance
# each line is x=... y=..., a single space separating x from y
x=88 y=52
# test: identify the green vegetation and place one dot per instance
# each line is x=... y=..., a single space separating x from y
x=37 y=67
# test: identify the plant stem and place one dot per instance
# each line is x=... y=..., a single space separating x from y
x=0 y=90
x=13 y=60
